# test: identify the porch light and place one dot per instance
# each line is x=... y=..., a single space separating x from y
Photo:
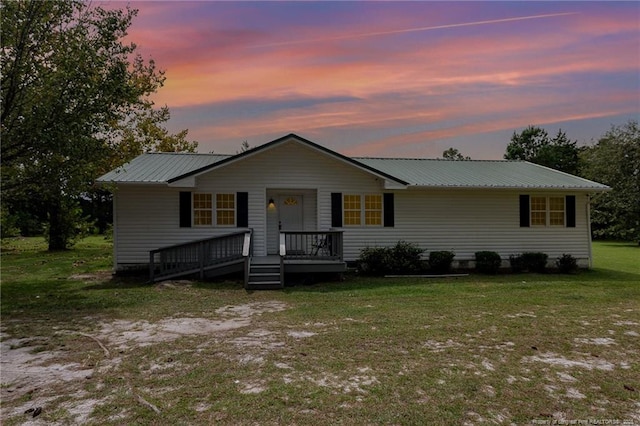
x=272 y=204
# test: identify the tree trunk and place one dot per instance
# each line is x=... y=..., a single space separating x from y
x=57 y=234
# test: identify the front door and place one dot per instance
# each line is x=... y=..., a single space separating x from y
x=290 y=213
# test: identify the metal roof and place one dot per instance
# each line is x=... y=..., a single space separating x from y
x=479 y=174
x=168 y=167
x=160 y=167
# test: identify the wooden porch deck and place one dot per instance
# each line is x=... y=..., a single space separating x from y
x=303 y=252
x=300 y=265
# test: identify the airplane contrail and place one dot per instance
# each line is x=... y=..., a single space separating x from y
x=412 y=30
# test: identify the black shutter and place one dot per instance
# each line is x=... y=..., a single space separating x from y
x=524 y=211
x=389 y=218
x=185 y=210
x=570 y=205
x=242 y=210
x=336 y=209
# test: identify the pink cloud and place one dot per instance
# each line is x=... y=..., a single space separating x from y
x=405 y=73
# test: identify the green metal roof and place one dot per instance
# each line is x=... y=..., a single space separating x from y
x=160 y=167
x=479 y=174
x=163 y=168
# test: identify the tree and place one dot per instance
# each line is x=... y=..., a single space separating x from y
x=615 y=161
x=73 y=97
x=534 y=144
x=144 y=132
x=453 y=154
x=244 y=146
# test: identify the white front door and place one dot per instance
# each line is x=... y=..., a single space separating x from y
x=290 y=212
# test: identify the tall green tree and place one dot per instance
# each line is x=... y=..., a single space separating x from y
x=615 y=161
x=73 y=96
x=534 y=144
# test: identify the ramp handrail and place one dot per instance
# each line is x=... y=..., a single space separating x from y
x=198 y=256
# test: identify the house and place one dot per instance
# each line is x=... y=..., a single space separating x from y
x=292 y=205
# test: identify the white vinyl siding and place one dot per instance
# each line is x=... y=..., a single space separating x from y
x=465 y=221
x=148 y=218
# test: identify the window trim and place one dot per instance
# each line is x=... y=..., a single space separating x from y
x=346 y=210
x=214 y=210
x=195 y=209
x=379 y=202
x=233 y=210
x=547 y=211
x=363 y=210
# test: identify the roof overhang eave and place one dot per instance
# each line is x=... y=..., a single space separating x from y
x=127 y=182
x=517 y=188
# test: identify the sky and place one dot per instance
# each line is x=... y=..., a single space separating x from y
x=392 y=79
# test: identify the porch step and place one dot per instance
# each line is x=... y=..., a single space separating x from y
x=264 y=276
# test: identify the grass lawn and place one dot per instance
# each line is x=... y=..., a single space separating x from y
x=506 y=349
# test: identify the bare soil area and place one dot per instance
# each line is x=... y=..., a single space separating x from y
x=33 y=377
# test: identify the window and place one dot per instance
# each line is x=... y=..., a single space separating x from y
x=547 y=211
x=373 y=209
x=538 y=211
x=225 y=209
x=352 y=210
x=202 y=209
x=556 y=211
x=355 y=214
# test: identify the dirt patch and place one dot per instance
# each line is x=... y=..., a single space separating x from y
x=600 y=341
x=555 y=359
x=355 y=383
x=126 y=334
x=172 y=284
x=26 y=371
x=100 y=276
x=24 y=367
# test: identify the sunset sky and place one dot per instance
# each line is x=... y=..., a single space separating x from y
x=407 y=79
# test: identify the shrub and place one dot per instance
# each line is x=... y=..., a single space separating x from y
x=488 y=262
x=403 y=258
x=567 y=264
x=373 y=260
x=529 y=261
x=516 y=262
x=440 y=261
x=535 y=261
x=8 y=224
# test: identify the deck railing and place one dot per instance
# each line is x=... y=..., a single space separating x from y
x=311 y=245
x=196 y=257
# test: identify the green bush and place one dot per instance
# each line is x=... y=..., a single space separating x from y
x=8 y=224
x=372 y=260
x=488 y=262
x=29 y=225
x=535 y=261
x=403 y=258
x=517 y=263
x=529 y=261
x=567 y=264
x=440 y=261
